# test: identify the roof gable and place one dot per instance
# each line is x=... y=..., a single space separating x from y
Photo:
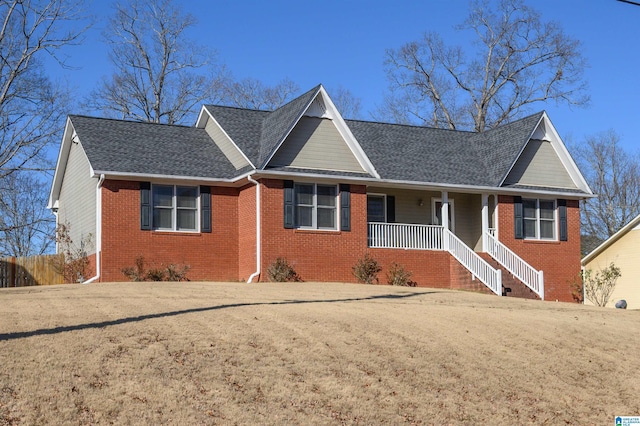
x=315 y=103
x=316 y=143
x=544 y=161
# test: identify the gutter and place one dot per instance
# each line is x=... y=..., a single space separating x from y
x=258 y=230
x=98 y=230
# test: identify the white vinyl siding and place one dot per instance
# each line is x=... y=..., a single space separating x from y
x=225 y=144
x=77 y=201
x=315 y=143
x=539 y=165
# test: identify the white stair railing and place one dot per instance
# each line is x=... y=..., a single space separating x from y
x=520 y=269
x=479 y=267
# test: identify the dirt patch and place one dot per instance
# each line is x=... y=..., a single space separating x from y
x=309 y=353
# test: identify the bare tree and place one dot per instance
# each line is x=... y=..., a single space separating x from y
x=614 y=176
x=26 y=226
x=348 y=105
x=160 y=75
x=520 y=60
x=32 y=107
x=254 y=94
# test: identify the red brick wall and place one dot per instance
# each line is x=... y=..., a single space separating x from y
x=560 y=260
x=331 y=255
x=315 y=255
x=428 y=268
x=211 y=256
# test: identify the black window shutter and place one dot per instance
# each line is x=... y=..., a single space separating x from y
x=205 y=209
x=145 y=206
x=518 y=218
x=345 y=207
x=288 y=205
x=391 y=209
x=562 y=216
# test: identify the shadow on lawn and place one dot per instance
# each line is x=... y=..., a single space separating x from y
x=62 y=329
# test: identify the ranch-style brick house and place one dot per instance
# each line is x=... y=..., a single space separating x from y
x=496 y=211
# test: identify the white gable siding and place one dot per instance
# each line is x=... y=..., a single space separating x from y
x=226 y=146
x=77 y=202
x=315 y=143
x=539 y=165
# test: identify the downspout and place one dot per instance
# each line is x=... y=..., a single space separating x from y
x=98 y=229
x=258 y=230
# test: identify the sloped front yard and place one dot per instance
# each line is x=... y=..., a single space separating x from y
x=309 y=353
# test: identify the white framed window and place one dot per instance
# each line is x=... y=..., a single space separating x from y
x=539 y=218
x=316 y=206
x=175 y=208
x=436 y=213
x=377 y=208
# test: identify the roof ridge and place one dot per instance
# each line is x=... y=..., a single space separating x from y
x=417 y=126
x=236 y=107
x=131 y=121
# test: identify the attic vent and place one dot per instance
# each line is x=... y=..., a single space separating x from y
x=317 y=109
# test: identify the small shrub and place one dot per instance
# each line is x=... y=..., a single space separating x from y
x=598 y=287
x=281 y=271
x=74 y=265
x=171 y=272
x=177 y=272
x=366 y=269
x=397 y=275
x=135 y=273
x=576 y=289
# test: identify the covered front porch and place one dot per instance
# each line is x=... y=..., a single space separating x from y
x=459 y=223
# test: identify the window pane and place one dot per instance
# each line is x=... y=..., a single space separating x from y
x=187 y=220
x=304 y=194
x=326 y=195
x=163 y=195
x=546 y=209
x=530 y=228
x=304 y=216
x=529 y=208
x=546 y=229
x=186 y=196
x=326 y=218
x=375 y=208
x=162 y=218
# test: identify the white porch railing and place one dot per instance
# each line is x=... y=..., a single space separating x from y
x=434 y=237
x=405 y=236
x=479 y=267
x=513 y=263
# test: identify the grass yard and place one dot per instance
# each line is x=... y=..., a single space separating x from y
x=309 y=353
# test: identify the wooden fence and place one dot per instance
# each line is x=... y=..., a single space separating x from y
x=28 y=271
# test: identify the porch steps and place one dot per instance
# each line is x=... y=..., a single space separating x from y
x=511 y=286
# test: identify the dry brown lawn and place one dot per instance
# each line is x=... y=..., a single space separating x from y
x=309 y=353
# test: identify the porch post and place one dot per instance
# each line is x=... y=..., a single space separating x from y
x=445 y=209
x=485 y=220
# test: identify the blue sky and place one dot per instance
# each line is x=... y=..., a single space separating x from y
x=343 y=43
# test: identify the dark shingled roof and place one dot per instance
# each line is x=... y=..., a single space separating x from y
x=244 y=127
x=398 y=152
x=154 y=149
x=413 y=153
